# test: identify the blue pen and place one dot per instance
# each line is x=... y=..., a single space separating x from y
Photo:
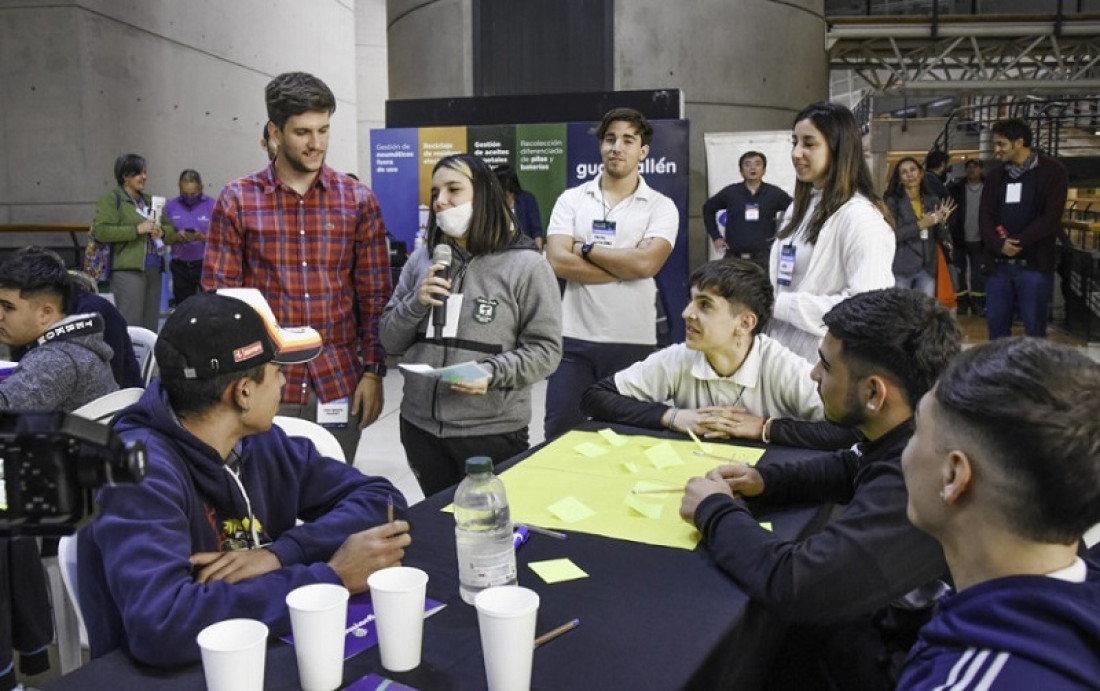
x=519 y=536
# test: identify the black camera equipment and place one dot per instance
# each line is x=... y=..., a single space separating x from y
x=51 y=463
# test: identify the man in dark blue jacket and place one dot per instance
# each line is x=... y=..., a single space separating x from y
x=883 y=350
x=211 y=533
x=1021 y=214
x=1004 y=470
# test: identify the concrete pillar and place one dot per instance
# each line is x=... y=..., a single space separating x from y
x=371 y=75
x=430 y=44
x=742 y=66
x=180 y=83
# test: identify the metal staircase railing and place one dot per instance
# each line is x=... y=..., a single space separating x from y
x=1051 y=121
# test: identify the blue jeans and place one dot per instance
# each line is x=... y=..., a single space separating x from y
x=1013 y=285
x=583 y=363
x=922 y=282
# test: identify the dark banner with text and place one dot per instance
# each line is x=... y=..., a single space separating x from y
x=548 y=159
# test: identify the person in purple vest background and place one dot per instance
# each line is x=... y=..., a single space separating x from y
x=190 y=214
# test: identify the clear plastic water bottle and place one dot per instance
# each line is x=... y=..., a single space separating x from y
x=483 y=531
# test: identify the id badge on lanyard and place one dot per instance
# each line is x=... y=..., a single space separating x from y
x=603 y=233
x=752 y=212
x=785 y=272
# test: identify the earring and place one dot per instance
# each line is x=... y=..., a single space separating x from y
x=870 y=406
x=943 y=495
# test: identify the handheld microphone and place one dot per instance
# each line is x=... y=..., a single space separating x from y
x=441 y=255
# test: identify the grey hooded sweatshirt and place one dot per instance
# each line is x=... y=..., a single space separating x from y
x=67 y=366
x=510 y=322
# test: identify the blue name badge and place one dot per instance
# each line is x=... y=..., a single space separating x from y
x=786 y=265
x=603 y=233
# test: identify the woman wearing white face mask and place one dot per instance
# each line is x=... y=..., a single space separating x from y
x=503 y=310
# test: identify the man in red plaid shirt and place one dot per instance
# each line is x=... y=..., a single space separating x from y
x=312 y=240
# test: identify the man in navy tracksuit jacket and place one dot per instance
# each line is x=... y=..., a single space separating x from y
x=210 y=533
x=1004 y=470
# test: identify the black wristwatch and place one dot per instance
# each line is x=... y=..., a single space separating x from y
x=378 y=368
x=586 y=248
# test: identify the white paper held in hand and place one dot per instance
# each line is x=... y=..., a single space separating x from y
x=462 y=372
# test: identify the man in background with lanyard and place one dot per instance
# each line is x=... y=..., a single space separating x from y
x=752 y=208
x=313 y=242
x=607 y=238
x=1022 y=206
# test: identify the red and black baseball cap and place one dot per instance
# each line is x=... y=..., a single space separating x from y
x=232 y=330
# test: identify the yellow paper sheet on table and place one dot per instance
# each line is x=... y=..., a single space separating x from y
x=602 y=484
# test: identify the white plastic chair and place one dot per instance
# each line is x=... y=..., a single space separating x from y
x=66 y=557
x=103 y=408
x=324 y=440
x=144 y=340
x=69 y=629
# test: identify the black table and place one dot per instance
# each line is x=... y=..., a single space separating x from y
x=651 y=617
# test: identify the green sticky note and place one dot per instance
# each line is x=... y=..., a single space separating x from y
x=630 y=467
x=571 y=510
x=643 y=507
x=589 y=449
x=766 y=525
x=557 y=570
x=612 y=437
x=663 y=456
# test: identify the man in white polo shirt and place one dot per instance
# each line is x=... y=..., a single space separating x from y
x=607 y=238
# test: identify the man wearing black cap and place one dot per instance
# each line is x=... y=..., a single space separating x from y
x=210 y=534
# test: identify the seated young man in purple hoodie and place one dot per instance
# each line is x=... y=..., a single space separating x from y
x=1004 y=470
x=210 y=534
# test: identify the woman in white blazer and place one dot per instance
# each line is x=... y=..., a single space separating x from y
x=836 y=238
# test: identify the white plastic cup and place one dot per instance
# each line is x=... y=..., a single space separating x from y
x=506 y=616
x=318 y=618
x=233 y=655
x=398 y=596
